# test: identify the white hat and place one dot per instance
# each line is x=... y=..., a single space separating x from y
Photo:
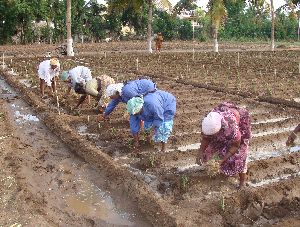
x=212 y=123
x=54 y=61
x=112 y=89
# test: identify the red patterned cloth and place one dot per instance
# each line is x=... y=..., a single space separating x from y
x=234 y=127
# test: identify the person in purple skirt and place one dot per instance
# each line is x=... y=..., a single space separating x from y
x=226 y=133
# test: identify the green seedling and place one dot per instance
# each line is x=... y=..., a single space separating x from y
x=222 y=205
x=146 y=133
x=152 y=160
x=269 y=91
x=77 y=112
x=184 y=181
x=143 y=142
x=227 y=81
x=213 y=166
x=238 y=81
x=129 y=144
x=113 y=131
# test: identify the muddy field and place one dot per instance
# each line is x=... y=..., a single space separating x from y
x=134 y=46
x=169 y=188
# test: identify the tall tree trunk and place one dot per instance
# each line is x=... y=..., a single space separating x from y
x=215 y=39
x=273 y=27
x=298 y=28
x=70 y=51
x=149 y=32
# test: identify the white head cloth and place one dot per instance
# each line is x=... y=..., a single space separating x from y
x=212 y=123
x=112 y=89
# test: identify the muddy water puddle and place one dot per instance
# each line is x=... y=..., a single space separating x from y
x=27 y=83
x=91 y=201
x=74 y=192
x=82 y=130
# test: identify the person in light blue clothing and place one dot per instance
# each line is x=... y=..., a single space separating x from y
x=122 y=92
x=157 y=110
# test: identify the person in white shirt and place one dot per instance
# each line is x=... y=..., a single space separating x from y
x=80 y=79
x=48 y=70
x=77 y=75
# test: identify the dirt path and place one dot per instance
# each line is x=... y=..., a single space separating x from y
x=44 y=184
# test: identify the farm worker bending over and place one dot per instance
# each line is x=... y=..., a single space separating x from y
x=158 y=42
x=294 y=136
x=226 y=132
x=87 y=85
x=157 y=110
x=75 y=77
x=122 y=92
x=47 y=71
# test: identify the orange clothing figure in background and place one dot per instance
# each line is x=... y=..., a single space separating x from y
x=158 y=42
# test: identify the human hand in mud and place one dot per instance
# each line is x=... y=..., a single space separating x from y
x=221 y=162
x=291 y=139
x=136 y=145
x=101 y=110
x=99 y=117
x=199 y=160
x=65 y=96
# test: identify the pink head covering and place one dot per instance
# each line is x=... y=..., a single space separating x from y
x=212 y=123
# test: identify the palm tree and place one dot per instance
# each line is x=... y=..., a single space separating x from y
x=292 y=5
x=149 y=30
x=70 y=51
x=137 y=6
x=217 y=13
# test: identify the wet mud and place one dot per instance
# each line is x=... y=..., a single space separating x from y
x=169 y=188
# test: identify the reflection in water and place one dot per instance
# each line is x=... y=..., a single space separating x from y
x=96 y=204
x=85 y=197
x=20 y=117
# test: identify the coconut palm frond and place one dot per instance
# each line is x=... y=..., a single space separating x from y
x=217 y=12
x=163 y=4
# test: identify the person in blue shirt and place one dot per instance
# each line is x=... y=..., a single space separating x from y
x=157 y=110
x=122 y=92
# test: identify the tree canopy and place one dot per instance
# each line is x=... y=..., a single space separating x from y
x=21 y=20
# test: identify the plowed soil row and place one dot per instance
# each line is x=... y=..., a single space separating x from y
x=171 y=182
